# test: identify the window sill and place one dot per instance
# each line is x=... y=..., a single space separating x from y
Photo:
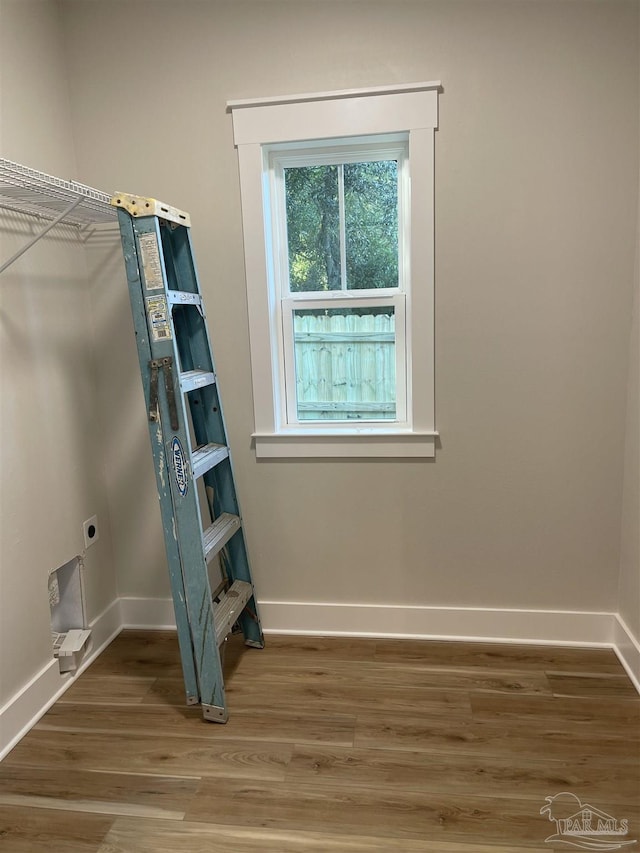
x=367 y=442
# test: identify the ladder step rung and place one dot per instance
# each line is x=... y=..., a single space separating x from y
x=226 y=613
x=193 y=379
x=218 y=534
x=181 y=297
x=207 y=457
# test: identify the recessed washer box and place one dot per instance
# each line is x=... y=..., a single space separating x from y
x=69 y=632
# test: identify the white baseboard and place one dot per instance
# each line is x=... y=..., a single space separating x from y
x=24 y=709
x=627 y=647
x=550 y=627
x=554 y=627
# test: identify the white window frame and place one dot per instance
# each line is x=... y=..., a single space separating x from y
x=266 y=125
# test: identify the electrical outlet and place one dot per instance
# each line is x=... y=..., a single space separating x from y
x=90 y=531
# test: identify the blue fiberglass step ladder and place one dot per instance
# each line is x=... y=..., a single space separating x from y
x=193 y=467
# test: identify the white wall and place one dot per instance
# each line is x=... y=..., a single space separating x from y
x=536 y=159
x=630 y=551
x=630 y=556
x=629 y=590
x=50 y=447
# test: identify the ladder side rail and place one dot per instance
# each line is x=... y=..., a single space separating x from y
x=161 y=467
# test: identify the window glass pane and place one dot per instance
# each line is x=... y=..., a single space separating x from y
x=313 y=228
x=371 y=224
x=345 y=364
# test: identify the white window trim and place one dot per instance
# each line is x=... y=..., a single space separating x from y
x=257 y=124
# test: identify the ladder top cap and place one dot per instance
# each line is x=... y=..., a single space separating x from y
x=139 y=206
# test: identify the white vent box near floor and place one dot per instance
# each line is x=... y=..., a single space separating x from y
x=68 y=625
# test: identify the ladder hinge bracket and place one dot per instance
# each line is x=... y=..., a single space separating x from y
x=166 y=366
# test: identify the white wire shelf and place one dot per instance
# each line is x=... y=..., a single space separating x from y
x=28 y=191
x=25 y=190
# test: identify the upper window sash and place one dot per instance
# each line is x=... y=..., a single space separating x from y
x=360 y=150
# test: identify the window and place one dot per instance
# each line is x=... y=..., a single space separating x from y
x=338 y=230
x=339 y=260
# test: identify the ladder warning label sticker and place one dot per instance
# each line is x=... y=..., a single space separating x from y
x=158 y=314
x=151 y=261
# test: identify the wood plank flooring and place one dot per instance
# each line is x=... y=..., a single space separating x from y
x=333 y=746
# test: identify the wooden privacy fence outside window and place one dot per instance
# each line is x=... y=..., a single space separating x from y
x=345 y=365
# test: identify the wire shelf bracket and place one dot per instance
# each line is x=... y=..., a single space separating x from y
x=33 y=193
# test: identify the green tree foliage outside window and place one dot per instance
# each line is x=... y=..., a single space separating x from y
x=316 y=241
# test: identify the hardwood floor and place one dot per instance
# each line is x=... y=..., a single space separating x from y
x=333 y=746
